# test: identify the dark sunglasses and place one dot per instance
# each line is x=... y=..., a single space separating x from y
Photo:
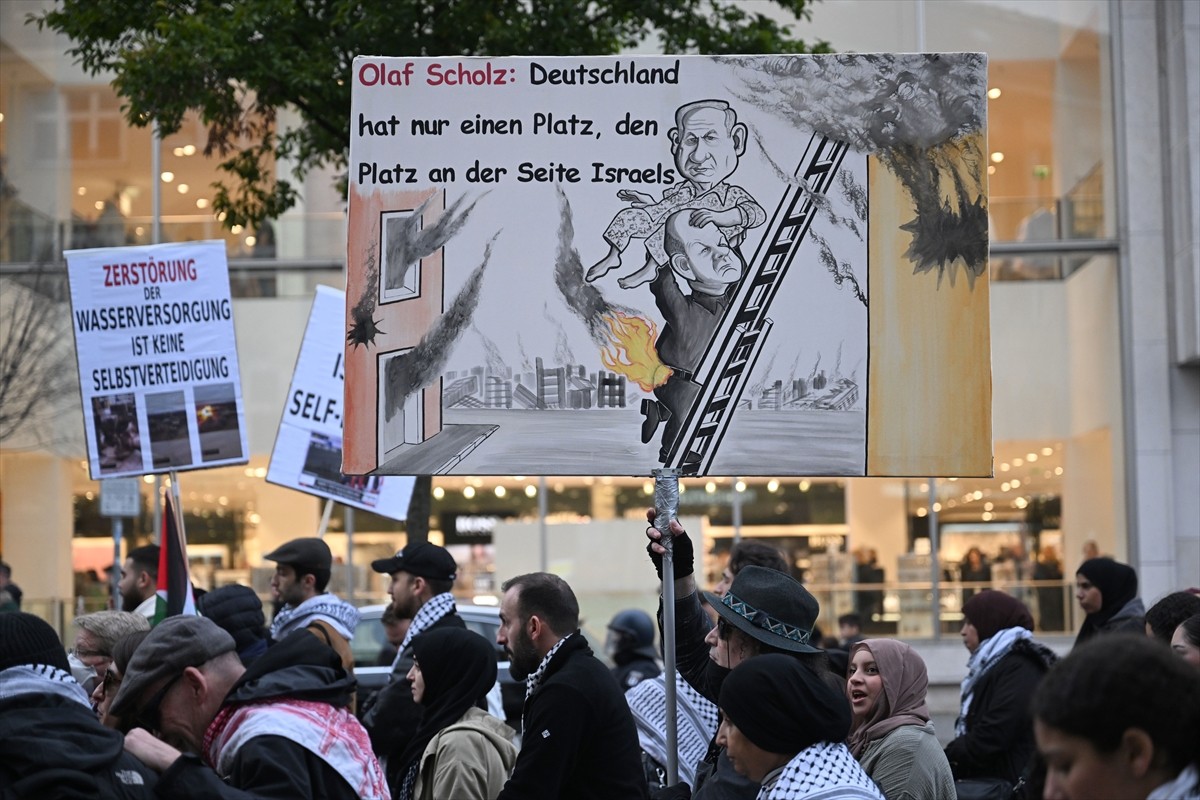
x=722 y=628
x=149 y=717
x=111 y=681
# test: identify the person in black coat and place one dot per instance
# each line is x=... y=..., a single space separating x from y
x=994 y=731
x=51 y=744
x=422 y=576
x=280 y=729
x=580 y=740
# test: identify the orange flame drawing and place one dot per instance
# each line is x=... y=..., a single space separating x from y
x=632 y=353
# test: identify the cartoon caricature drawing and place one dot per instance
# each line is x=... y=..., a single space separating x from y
x=699 y=253
x=707 y=142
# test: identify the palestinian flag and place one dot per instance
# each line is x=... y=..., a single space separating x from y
x=174 y=581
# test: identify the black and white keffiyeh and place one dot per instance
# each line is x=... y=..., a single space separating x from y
x=41 y=679
x=984 y=658
x=824 y=771
x=535 y=677
x=438 y=606
x=325 y=607
x=696 y=715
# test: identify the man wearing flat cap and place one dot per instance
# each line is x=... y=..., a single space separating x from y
x=422 y=576
x=763 y=611
x=302 y=571
x=213 y=728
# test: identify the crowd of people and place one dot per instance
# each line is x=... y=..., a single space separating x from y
x=223 y=704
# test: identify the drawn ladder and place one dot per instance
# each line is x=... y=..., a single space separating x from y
x=730 y=357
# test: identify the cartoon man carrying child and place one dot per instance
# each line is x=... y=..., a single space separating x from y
x=707 y=141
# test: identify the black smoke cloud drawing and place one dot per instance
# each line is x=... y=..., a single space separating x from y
x=421 y=366
x=918 y=113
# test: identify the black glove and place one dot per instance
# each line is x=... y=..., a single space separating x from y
x=684 y=557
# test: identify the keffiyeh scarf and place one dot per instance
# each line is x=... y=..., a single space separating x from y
x=41 y=679
x=438 y=606
x=824 y=771
x=331 y=734
x=983 y=659
x=325 y=607
x=535 y=678
x=696 y=715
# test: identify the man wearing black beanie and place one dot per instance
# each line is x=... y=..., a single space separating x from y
x=785 y=728
x=51 y=744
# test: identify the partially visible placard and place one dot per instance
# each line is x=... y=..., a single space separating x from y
x=308 y=448
x=158 y=366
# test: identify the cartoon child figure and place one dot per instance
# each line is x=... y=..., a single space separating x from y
x=700 y=254
x=707 y=141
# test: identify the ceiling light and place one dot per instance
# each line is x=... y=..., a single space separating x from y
x=189 y=149
x=81 y=191
x=988 y=506
x=937 y=506
x=500 y=491
x=469 y=492
x=740 y=486
x=183 y=188
x=1047 y=451
x=805 y=485
x=438 y=493
x=1031 y=457
x=987 y=516
x=531 y=491
x=710 y=487
x=201 y=202
x=997 y=157
x=991 y=169
x=1005 y=467
x=994 y=93
x=167 y=177
x=772 y=486
x=1004 y=487
x=99 y=204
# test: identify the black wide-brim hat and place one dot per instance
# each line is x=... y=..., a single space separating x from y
x=770 y=607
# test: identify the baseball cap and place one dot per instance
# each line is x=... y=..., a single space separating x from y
x=420 y=558
x=306 y=552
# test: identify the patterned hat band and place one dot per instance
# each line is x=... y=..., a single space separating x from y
x=761 y=619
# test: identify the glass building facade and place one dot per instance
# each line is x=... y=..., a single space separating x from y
x=1093 y=200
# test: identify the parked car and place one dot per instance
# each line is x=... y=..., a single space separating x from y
x=484 y=620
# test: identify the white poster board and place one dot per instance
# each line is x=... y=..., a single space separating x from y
x=308 y=448
x=158 y=366
x=742 y=265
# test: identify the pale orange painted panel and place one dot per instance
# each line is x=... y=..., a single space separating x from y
x=930 y=387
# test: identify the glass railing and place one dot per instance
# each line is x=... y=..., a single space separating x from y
x=905 y=610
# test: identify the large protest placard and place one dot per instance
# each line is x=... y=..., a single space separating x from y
x=731 y=265
x=308 y=448
x=158 y=366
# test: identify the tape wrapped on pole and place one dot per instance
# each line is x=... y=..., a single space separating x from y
x=666 y=508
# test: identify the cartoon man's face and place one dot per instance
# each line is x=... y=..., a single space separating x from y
x=706 y=150
x=708 y=263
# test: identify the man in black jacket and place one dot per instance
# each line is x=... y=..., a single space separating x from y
x=280 y=729
x=580 y=741
x=422 y=576
x=51 y=744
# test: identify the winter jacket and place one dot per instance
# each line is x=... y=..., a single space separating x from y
x=469 y=760
x=716 y=778
x=999 y=739
x=1130 y=619
x=392 y=716
x=272 y=766
x=908 y=764
x=54 y=747
x=579 y=741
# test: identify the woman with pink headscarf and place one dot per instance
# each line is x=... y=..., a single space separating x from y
x=891 y=734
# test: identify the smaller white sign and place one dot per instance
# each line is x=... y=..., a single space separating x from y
x=120 y=497
x=158 y=367
x=308 y=448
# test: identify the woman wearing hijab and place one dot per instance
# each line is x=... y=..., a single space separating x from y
x=784 y=728
x=994 y=733
x=1107 y=593
x=891 y=735
x=459 y=750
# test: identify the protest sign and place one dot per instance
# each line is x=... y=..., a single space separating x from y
x=308 y=447
x=747 y=265
x=158 y=366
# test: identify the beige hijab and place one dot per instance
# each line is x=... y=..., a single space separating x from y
x=902 y=701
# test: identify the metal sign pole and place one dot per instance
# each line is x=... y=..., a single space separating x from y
x=666 y=508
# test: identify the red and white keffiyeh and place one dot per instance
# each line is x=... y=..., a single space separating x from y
x=332 y=734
